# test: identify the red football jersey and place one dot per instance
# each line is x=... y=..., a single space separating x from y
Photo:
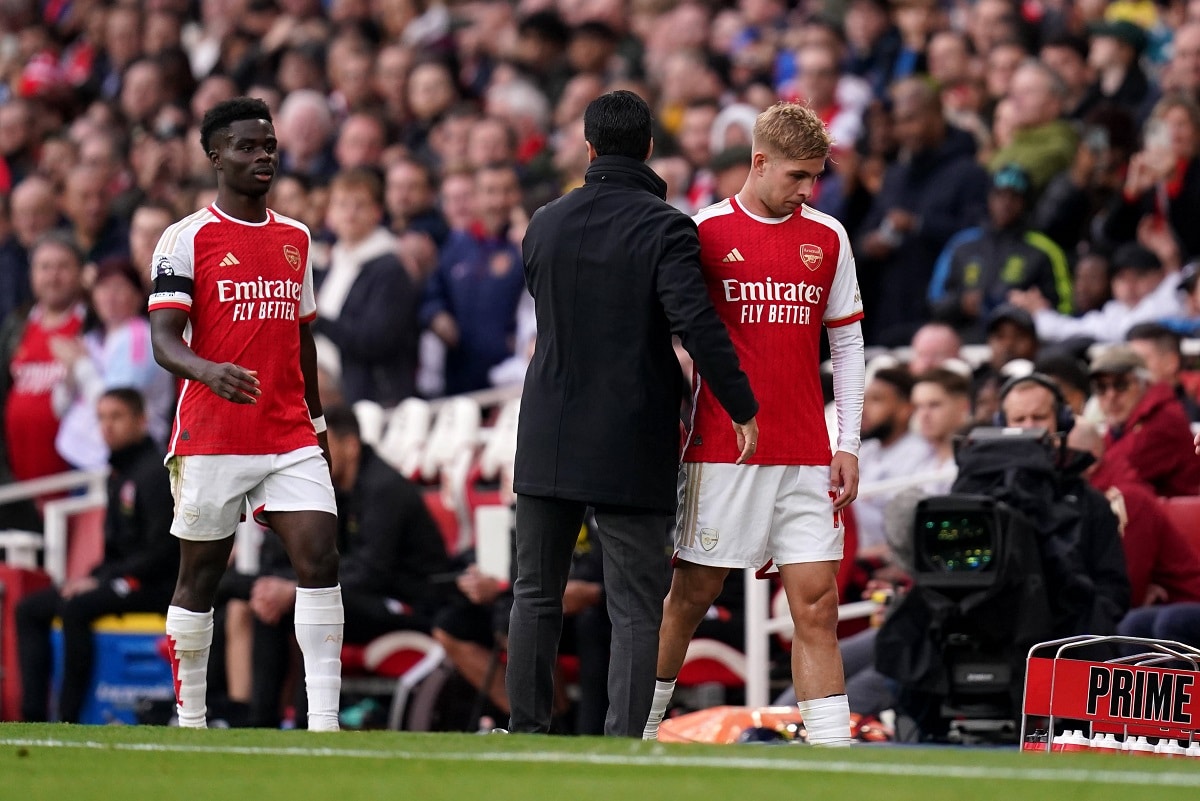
x=774 y=282
x=30 y=424
x=247 y=288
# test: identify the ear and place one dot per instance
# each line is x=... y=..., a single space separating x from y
x=214 y=158
x=649 y=150
x=758 y=162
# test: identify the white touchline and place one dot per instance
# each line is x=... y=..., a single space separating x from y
x=657 y=760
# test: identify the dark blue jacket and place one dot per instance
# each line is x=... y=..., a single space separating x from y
x=479 y=281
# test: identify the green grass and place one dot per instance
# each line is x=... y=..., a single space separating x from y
x=56 y=762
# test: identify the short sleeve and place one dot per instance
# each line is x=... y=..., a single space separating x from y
x=172 y=269
x=308 y=296
x=845 y=300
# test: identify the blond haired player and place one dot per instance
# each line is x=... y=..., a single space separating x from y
x=777 y=271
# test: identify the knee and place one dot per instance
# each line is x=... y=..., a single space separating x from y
x=817 y=614
x=697 y=592
x=318 y=568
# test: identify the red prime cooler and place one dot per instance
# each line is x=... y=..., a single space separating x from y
x=15 y=584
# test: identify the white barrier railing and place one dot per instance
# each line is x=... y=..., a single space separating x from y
x=91 y=480
x=760 y=625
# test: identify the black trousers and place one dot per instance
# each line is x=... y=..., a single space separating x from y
x=34 y=615
x=636 y=548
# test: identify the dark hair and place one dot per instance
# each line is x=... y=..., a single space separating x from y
x=1066 y=370
x=618 y=124
x=58 y=237
x=360 y=178
x=221 y=116
x=128 y=396
x=899 y=377
x=342 y=421
x=1166 y=340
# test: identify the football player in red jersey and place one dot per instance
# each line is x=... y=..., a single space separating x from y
x=777 y=271
x=229 y=314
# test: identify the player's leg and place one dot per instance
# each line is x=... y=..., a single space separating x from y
x=812 y=595
x=547 y=529
x=296 y=500
x=723 y=521
x=190 y=623
x=210 y=493
x=311 y=542
x=807 y=544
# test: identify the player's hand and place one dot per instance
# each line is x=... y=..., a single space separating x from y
x=323 y=442
x=233 y=383
x=271 y=598
x=747 y=439
x=843 y=479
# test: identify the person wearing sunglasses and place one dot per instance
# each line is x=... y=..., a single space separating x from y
x=1147 y=425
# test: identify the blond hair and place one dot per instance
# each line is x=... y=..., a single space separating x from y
x=791 y=131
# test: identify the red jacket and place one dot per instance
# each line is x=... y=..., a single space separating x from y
x=1156 y=441
x=1156 y=552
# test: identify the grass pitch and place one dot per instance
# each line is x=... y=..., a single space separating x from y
x=80 y=763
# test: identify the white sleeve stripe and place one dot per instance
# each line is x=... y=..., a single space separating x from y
x=719 y=209
x=849 y=380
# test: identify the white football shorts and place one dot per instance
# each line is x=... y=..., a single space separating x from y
x=744 y=515
x=212 y=491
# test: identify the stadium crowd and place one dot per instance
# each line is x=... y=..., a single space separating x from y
x=1020 y=182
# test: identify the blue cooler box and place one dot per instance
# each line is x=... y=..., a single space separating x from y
x=128 y=669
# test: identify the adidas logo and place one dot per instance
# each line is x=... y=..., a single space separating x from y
x=733 y=255
x=229 y=260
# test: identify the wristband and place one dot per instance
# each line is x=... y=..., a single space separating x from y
x=319 y=424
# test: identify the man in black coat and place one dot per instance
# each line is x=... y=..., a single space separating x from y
x=614 y=271
x=137 y=573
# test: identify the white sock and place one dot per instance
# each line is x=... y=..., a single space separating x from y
x=663 y=690
x=827 y=720
x=189 y=639
x=319 y=623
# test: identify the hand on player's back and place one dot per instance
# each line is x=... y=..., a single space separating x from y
x=233 y=383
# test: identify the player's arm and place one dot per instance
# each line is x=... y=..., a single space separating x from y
x=842 y=319
x=312 y=393
x=228 y=380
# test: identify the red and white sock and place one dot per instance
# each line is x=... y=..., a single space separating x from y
x=189 y=639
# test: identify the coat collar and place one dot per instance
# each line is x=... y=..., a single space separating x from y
x=624 y=171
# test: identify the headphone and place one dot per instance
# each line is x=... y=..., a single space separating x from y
x=1064 y=419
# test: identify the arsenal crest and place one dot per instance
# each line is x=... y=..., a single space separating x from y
x=292 y=254
x=709 y=538
x=812 y=256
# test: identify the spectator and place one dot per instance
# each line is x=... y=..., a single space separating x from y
x=889 y=449
x=1147 y=426
x=87 y=208
x=18 y=139
x=1004 y=255
x=366 y=300
x=1159 y=348
x=941 y=407
x=146 y=227
x=1162 y=562
x=410 y=198
x=1141 y=291
x=933 y=345
x=1043 y=143
x=1070 y=376
x=34 y=213
x=136 y=573
x=471 y=300
x=1011 y=335
x=1090 y=288
x=115 y=354
x=1114 y=50
x=456 y=197
x=360 y=141
x=305 y=129
x=1162 y=185
x=27 y=345
x=1067 y=55
x=431 y=93
x=934 y=191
